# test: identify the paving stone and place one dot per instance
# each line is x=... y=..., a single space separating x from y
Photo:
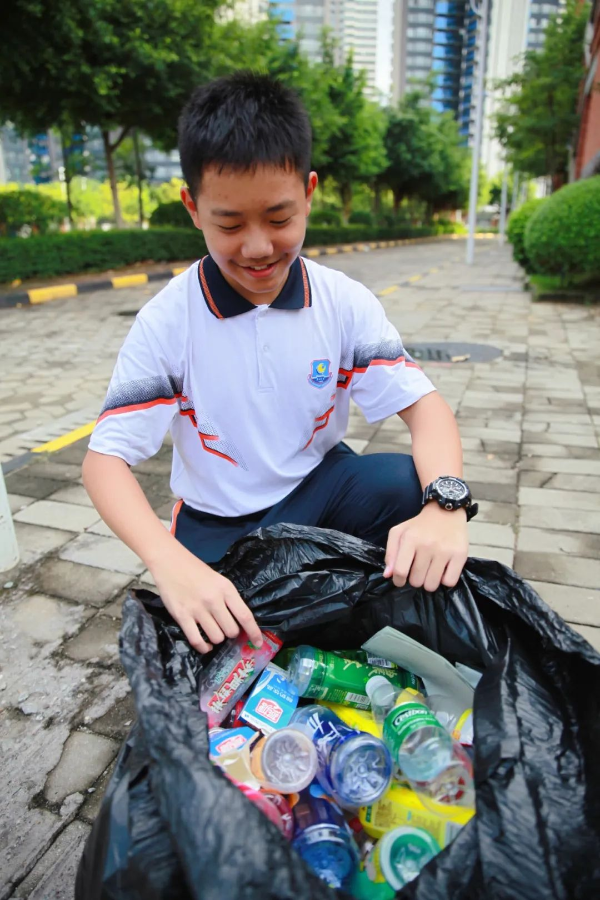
x=98 y=640
x=493 y=474
x=104 y=553
x=25 y=483
x=114 y=610
x=46 y=619
x=34 y=541
x=554 y=450
x=558 y=499
x=49 y=514
x=81 y=584
x=491 y=535
x=356 y=444
x=592 y=635
x=583 y=520
x=50 y=468
x=574 y=604
x=497 y=513
x=564 y=466
x=561 y=440
x=568 y=570
x=53 y=877
x=93 y=802
x=84 y=758
x=73 y=454
x=76 y=493
x=17 y=502
x=572 y=482
x=379 y=447
x=23 y=845
x=117 y=722
x=499 y=493
x=500 y=554
x=537 y=540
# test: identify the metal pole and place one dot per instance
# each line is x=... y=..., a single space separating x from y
x=9 y=550
x=478 y=131
x=503 y=201
x=515 y=192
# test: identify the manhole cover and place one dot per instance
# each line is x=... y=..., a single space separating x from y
x=447 y=352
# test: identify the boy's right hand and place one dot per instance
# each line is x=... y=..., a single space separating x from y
x=196 y=595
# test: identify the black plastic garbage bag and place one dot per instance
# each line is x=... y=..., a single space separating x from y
x=172 y=827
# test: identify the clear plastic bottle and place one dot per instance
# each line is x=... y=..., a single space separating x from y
x=329 y=676
x=285 y=761
x=353 y=766
x=429 y=758
x=231 y=671
x=323 y=841
x=458 y=723
x=400 y=855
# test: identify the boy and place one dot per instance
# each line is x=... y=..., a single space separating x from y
x=250 y=358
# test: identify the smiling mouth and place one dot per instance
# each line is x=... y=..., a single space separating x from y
x=262 y=267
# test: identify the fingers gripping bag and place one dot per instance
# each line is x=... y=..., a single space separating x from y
x=172 y=827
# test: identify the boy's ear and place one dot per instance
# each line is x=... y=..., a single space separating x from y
x=313 y=180
x=188 y=202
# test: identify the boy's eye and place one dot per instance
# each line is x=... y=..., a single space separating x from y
x=229 y=227
x=280 y=221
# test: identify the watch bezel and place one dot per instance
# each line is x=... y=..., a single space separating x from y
x=446 y=497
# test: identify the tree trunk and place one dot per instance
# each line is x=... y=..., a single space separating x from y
x=139 y=176
x=67 y=168
x=377 y=199
x=346 y=198
x=397 y=201
x=110 y=164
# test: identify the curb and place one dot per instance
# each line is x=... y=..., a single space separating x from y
x=35 y=296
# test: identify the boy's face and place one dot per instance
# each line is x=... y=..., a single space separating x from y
x=254 y=225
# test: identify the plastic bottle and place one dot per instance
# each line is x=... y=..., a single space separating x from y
x=431 y=761
x=402 y=806
x=459 y=724
x=353 y=766
x=360 y=719
x=323 y=840
x=285 y=761
x=233 y=668
x=285 y=811
x=328 y=676
x=400 y=855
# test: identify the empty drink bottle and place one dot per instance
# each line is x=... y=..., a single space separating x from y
x=432 y=762
x=323 y=841
x=353 y=766
x=328 y=676
x=233 y=668
x=285 y=761
x=400 y=855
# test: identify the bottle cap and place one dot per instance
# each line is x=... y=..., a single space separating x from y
x=374 y=682
x=288 y=760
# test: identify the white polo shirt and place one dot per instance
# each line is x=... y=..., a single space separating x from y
x=254 y=396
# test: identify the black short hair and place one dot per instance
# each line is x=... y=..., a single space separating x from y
x=241 y=121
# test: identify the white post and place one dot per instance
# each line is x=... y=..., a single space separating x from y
x=485 y=4
x=9 y=551
x=515 y=192
x=503 y=202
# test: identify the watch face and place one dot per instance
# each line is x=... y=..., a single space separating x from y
x=452 y=489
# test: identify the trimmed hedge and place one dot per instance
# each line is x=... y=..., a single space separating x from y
x=515 y=230
x=173 y=214
x=29 y=208
x=563 y=237
x=97 y=251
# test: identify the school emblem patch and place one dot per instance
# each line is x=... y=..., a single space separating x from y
x=320 y=376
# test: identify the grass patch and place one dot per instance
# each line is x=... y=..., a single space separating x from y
x=554 y=287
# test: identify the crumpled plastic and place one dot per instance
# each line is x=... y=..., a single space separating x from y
x=171 y=827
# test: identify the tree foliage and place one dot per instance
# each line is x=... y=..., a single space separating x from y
x=538 y=115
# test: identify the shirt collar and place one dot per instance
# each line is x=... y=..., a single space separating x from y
x=224 y=301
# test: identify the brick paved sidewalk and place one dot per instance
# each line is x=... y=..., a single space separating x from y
x=530 y=421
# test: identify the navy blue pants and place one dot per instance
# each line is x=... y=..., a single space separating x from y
x=360 y=495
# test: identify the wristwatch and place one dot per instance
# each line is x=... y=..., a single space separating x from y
x=451 y=493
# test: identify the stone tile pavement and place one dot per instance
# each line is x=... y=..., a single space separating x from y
x=530 y=422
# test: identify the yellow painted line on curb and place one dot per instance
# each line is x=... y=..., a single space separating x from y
x=414 y=278
x=121 y=281
x=434 y=270
x=56 y=292
x=331 y=250
x=388 y=290
x=312 y=252
x=65 y=439
x=179 y=270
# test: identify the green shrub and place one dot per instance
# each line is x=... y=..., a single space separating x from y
x=95 y=251
x=563 y=237
x=29 y=208
x=361 y=217
x=326 y=216
x=515 y=230
x=173 y=215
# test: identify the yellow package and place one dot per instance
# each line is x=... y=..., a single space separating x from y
x=360 y=719
x=402 y=806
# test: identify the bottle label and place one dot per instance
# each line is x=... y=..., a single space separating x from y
x=404 y=720
x=340 y=680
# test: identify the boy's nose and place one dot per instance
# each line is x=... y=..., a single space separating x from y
x=257 y=247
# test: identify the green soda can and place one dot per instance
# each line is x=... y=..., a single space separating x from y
x=327 y=676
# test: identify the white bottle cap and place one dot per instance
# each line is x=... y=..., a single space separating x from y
x=374 y=682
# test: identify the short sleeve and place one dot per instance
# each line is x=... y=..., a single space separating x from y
x=382 y=377
x=141 y=401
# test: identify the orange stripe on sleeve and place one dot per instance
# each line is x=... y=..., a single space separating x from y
x=134 y=407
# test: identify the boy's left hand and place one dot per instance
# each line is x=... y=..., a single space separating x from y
x=429 y=550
